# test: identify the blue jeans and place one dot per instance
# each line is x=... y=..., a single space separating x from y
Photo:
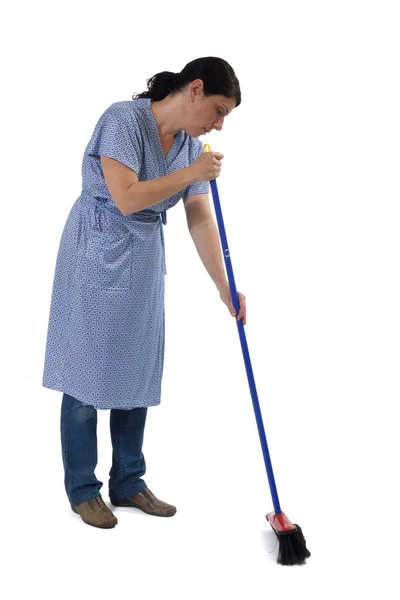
x=79 y=451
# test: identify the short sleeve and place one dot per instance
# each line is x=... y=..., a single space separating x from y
x=198 y=187
x=117 y=135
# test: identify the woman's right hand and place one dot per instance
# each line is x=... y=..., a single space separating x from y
x=207 y=166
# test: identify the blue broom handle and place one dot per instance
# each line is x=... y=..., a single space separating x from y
x=245 y=350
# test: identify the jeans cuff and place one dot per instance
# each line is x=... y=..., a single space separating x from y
x=131 y=492
x=83 y=499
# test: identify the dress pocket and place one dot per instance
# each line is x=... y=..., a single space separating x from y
x=108 y=260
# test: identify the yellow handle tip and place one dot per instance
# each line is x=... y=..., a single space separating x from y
x=206 y=148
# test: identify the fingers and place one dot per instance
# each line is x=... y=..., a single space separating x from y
x=242 y=310
x=217 y=161
x=216 y=164
x=242 y=317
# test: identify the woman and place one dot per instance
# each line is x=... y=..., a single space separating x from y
x=105 y=341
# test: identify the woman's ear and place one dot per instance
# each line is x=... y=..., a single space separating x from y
x=196 y=89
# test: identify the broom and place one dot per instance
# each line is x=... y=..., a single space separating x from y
x=292 y=545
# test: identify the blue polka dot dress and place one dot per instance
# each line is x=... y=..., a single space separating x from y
x=105 y=339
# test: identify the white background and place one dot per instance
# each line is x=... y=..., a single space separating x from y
x=310 y=198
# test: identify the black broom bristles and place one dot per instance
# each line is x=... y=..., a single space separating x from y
x=292 y=547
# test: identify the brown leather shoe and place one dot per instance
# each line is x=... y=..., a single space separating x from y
x=96 y=513
x=147 y=502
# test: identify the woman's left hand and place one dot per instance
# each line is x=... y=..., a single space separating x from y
x=225 y=296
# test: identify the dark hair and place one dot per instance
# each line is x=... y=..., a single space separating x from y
x=217 y=75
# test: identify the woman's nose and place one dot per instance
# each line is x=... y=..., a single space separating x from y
x=219 y=124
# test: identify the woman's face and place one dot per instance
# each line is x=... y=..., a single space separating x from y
x=205 y=113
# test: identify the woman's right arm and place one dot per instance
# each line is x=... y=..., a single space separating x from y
x=131 y=195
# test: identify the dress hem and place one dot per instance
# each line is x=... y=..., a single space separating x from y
x=95 y=405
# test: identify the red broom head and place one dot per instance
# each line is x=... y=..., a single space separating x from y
x=292 y=545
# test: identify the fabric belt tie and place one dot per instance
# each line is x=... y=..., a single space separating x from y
x=144 y=217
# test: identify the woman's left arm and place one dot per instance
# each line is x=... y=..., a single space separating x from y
x=205 y=236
